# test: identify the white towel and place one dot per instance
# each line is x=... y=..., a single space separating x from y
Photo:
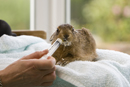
x=12 y=48
x=111 y=70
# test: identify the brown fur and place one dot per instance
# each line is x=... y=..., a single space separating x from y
x=78 y=45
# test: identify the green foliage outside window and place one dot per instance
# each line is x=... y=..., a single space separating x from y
x=16 y=13
x=109 y=19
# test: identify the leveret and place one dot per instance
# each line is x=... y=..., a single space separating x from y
x=77 y=45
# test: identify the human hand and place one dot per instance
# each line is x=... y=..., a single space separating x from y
x=30 y=71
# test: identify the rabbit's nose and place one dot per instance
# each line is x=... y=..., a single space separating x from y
x=65 y=37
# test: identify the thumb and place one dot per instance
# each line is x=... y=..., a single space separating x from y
x=36 y=55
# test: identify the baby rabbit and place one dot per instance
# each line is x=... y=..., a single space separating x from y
x=77 y=45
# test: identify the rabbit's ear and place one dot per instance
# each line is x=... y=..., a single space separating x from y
x=52 y=36
x=86 y=31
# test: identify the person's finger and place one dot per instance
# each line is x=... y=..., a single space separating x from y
x=41 y=78
x=47 y=84
x=42 y=72
x=45 y=63
x=49 y=77
x=39 y=64
x=47 y=71
x=36 y=55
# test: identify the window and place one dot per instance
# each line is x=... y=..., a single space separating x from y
x=34 y=14
x=108 y=20
x=16 y=13
x=48 y=14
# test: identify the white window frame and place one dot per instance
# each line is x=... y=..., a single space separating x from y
x=48 y=14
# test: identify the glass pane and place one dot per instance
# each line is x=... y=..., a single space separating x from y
x=108 y=20
x=16 y=13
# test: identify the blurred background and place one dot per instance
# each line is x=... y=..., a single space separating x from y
x=16 y=13
x=108 y=20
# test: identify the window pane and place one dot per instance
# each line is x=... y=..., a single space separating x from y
x=16 y=13
x=109 y=20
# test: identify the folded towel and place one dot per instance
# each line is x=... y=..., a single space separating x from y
x=112 y=68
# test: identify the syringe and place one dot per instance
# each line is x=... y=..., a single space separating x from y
x=53 y=47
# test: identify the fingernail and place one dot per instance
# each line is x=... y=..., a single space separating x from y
x=48 y=57
x=52 y=58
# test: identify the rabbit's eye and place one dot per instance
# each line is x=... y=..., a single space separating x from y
x=72 y=29
x=57 y=30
